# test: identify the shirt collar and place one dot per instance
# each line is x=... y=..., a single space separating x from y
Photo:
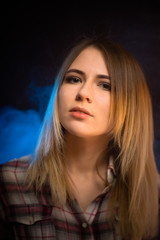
x=111 y=175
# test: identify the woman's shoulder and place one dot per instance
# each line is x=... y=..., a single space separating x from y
x=14 y=170
x=13 y=185
x=18 y=203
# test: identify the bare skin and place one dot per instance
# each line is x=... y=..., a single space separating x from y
x=81 y=161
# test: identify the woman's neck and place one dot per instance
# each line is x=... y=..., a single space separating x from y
x=84 y=154
x=83 y=157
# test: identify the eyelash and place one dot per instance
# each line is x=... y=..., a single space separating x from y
x=107 y=86
x=101 y=84
x=70 y=80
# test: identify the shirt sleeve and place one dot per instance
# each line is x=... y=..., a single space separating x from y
x=6 y=232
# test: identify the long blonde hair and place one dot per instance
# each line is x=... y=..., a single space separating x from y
x=131 y=143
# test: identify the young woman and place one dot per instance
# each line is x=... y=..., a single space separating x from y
x=93 y=173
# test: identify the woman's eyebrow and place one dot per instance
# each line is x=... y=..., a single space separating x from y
x=76 y=71
x=82 y=73
x=104 y=76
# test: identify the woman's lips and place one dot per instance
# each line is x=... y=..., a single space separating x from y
x=81 y=113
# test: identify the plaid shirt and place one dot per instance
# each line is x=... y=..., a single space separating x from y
x=27 y=215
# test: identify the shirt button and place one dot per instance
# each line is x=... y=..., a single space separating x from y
x=84 y=225
x=30 y=220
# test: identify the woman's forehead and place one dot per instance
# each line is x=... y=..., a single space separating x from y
x=89 y=58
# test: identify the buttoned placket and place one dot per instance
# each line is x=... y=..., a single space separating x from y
x=85 y=219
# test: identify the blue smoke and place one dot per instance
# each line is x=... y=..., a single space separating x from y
x=20 y=128
x=18 y=133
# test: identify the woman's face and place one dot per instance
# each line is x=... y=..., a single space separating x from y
x=84 y=97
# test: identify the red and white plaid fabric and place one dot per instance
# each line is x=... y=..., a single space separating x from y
x=27 y=215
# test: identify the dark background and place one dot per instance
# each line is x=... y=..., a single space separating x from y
x=35 y=39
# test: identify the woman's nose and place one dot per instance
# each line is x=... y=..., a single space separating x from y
x=84 y=93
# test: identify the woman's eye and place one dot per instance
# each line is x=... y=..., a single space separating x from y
x=72 y=80
x=106 y=86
